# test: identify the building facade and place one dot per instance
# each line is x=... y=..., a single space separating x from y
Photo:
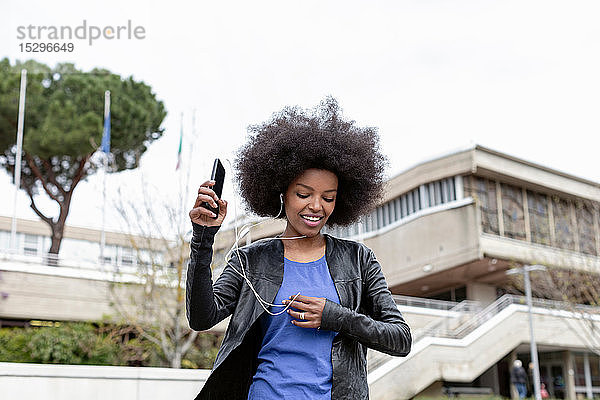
x=445 y=234
x=78 y=285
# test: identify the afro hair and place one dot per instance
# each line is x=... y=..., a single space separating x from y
x=295 y=140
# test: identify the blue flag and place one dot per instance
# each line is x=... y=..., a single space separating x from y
x=105 y=147
x=179 y=151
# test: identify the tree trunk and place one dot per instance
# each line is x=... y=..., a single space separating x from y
x=176 y=360
x=62 y=196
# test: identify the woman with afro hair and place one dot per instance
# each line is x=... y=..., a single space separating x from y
x=305 y=305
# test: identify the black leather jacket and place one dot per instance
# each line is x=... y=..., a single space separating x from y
x=367 y=315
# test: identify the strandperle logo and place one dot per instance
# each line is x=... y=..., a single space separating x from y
x=84 y=31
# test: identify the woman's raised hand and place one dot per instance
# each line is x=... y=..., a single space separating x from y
x=203 y=216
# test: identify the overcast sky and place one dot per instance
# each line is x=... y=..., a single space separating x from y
x=521 y=77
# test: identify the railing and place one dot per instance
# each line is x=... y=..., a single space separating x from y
x=502 y=303
x=55 y=260
x=473 y=322
x=423 y=302
x=457 y=312
x=442 y=329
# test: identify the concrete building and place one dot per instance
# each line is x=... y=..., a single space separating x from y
x=445 y=234
x=77 y=286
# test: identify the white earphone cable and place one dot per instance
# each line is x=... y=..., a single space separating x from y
x=245 y=229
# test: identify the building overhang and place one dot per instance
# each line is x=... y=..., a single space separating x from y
x=495 y=165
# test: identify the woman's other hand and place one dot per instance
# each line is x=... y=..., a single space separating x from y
x=203 y=216
x=311 y=311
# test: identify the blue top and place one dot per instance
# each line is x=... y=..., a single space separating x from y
x=295 y=362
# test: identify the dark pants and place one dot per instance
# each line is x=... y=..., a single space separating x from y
x=522 y=389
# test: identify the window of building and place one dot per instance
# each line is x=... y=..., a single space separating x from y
x=445 y=191
x=392 y=211
x=398 y=208
x=110 y=254
x=127 y=258
x=593 y=363
x=594 y=369
x=368 y=223
x=410 y=204
x=30 y=245
x=417 y=199
x=437 y=193
x=4 y=240
x=586 y=234
x=512 y=211
x=404 y=204
x=455 y=294
x=579 y=370
x=563 y=227
x=80 y=250
x=485 y=193
x=452 y=188
x=428 y=195
x=539 y=222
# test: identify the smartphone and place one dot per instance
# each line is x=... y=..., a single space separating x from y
x=217 y=175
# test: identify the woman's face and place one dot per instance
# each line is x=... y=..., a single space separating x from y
x=309 y=201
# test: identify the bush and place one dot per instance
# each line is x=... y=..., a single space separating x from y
x=76 y=343
x=13 y=344
x=95 y=344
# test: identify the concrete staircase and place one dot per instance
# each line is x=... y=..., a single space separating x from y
x=462 y=349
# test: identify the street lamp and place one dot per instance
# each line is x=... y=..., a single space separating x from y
x=525 y=270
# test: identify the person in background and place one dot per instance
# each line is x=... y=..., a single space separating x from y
x=518 y=377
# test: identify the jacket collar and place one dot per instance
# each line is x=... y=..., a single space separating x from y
x=274 y=259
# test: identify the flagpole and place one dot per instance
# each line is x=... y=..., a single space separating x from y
x=187 y=178
x=179 y=166
x=105 y=149
x=13 y=228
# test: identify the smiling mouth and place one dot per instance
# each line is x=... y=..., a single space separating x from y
x=311 y=218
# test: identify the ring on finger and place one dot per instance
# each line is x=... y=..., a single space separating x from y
x=302 y=315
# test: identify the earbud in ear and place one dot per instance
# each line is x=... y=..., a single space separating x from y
x=281 y=197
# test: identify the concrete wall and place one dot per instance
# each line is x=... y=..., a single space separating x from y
x=76 y=382
x=69 y=294
x=485 y=294
x=532 y=253
x=44 y=296
x=443 y=240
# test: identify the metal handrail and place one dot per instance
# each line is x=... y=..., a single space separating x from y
x=55 y=260
x=484 y=315
x=461 y=309
x=495 y=308
x=439 y=328
x=424 y=302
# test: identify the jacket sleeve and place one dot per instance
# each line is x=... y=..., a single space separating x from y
x=207 y=304
x=384 y=328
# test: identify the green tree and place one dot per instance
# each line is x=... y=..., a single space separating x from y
x=63 y=127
